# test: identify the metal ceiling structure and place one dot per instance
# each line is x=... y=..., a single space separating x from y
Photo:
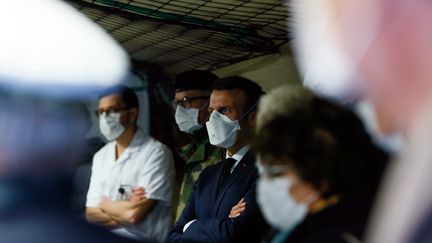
x=179 y=35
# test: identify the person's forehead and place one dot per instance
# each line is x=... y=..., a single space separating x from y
x=110 y=100
x=191 y=93
x=231 y=98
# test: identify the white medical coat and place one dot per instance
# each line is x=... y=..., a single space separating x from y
x=145 y=163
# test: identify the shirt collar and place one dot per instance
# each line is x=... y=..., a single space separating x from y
x=134 y=145
x=240 y=154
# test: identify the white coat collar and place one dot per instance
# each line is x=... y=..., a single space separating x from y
x=134 y=146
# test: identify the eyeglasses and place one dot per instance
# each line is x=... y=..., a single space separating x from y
x=186 y=102
x=110 y=111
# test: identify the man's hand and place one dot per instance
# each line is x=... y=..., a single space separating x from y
x=138 y=194
x=238 y=209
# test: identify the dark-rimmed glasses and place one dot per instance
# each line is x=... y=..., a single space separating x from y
x=110 y=111
x=186 y=102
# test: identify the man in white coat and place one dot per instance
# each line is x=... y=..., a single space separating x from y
x=130 y=162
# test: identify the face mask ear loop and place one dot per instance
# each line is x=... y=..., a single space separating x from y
x=249 y=110
x=244 y=114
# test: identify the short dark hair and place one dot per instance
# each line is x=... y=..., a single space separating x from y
x=195 y=79
x=324 y=142
x=251 y=89
x=127 y=95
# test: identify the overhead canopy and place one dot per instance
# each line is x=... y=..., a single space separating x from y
x=180 y=35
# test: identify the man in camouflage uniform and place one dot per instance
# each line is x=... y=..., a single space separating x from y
x=192 y=94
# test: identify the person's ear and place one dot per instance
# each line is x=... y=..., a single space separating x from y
x=133 y=114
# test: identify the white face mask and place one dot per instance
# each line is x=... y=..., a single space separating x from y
x=222 y=130
x=110 y=126
x=279 y=208
x=187 y=119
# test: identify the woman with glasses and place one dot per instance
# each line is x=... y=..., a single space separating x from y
x=319 y=171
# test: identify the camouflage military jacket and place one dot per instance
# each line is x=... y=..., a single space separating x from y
x=198 y=156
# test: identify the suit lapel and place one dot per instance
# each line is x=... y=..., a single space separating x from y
x=214 y=186
x=239 y=171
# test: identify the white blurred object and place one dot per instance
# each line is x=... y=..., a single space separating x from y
x=405 y=197
x=326 y=65
x=385 y=44
x=51 y=56
x=391 y=143
x=47 y=46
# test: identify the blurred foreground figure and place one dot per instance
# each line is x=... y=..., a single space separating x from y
x=319 y=169
x=384 y=59
x=51 y=57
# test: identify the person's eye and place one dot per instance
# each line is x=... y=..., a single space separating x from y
x=181 y=103
x=224 y=111
x=110 y=112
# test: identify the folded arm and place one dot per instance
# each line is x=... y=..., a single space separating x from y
x=216 y=229
x=127 y=212
x=97 y=216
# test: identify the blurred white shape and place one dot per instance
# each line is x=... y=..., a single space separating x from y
x=386 y=45
x=405 y=197
x=48 y=45
x=327 y=60
x=391 y=143
x=49 y=53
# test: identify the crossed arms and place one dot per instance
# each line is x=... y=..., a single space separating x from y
x=220 y=229
x=113 y=214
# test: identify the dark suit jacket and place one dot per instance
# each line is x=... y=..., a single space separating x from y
x=333 y=224
x=211 y=207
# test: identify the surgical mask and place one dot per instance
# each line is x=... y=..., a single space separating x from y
x=110 y=126
x=187 y=119
x=279 y=208
x=222 y=130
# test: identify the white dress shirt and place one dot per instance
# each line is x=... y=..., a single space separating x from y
x=145 y=163
x=238 y=156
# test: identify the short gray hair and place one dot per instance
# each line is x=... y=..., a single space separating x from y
x=280 y=101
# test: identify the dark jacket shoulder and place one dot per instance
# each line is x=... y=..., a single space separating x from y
x=335 y=224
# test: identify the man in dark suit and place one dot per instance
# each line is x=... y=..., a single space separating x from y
x=231 y=182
